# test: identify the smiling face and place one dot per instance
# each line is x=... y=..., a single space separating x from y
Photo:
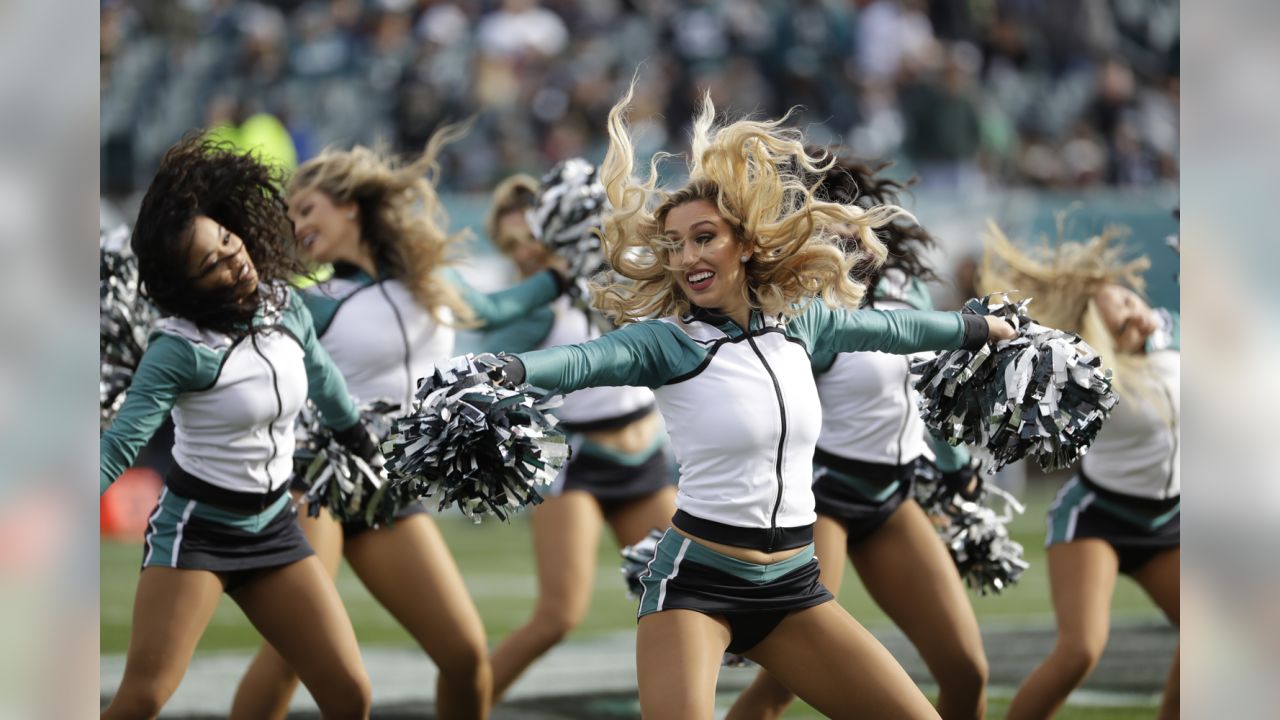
x=329 y=231
x=1128 y=318
x=706 y=258
x=217 y=261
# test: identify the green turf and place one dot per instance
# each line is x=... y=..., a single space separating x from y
x=497 y=560
x=998 y=706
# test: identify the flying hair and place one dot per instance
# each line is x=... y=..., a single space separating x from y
x=753 y=172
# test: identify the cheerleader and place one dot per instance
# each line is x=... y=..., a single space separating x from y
x=619 y=473
x=386 y=317
x=732 y=281
x=233 y=358
x=1121 y=511
x=870 y=446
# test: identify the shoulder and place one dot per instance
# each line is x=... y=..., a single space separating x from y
x=174 y=330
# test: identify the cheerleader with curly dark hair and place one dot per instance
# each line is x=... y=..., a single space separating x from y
x=233 y=358
x=870 y=449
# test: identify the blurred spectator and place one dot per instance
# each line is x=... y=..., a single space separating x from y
x=1011 y=92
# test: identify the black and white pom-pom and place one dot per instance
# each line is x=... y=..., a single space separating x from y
x=1042 y=394
x=636 y=559
x=568 y=215
x=125 y=319
x=475 y=441
x=974 y=532
x=348 y=486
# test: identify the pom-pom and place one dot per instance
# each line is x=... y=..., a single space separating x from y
x=568 y=215
x=475 y=441
x=1042 y=394
x=350 y=487
x=125 y=319
x=973 y=531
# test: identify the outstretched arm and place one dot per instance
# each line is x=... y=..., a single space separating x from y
x=645 y=354
x=515 y=302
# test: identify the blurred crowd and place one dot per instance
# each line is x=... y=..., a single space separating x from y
x=1058 y=94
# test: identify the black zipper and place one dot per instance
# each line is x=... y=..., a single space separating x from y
x=275 y=385
x=404 y=338
x=782 y=440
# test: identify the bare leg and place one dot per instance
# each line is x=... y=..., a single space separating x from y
x=566 y=530
x=409 y=569
x=298 y=611
x=911 y=576
x=631 y=522
x=170 y=612
x=269 y=683
x=1082 y=578
x=1161 y=578
x=839 y=668
x=766 y=697
x=678 y=656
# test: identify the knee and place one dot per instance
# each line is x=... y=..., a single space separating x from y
x=969 y=673
x=467 y=663
x=1079 y=655
x=352 y=697
x=137 y=703
x=554 y=623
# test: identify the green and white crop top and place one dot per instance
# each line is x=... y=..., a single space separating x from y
x=233 y=399
x=740 y=405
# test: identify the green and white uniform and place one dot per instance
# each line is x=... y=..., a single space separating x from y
x=1128 y=491
x=233 y=400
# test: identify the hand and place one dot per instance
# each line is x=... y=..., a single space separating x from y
x=998 y=329
x=359 y=440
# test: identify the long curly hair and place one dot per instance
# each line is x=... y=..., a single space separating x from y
x=201 y=176
x=1063 y=281
x=849 y=181
x=517 y=193
x=753 y=172
x=401 y=218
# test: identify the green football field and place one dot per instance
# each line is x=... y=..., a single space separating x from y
x=496 y=559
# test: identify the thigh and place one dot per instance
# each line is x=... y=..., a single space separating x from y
x=297 y=609
x=1082 y=579
x=631 y=522
x=324 y=533
x=678 y=654
x=566 y=533
x=171 y=610
x=824 y=656
x=911 y=576
x=409 y=569
x=1161 y=578
x=830 y=538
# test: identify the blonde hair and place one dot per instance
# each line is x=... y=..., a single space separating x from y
x=401 y=217
x=516 y=193
x=752 y=172
x=1063 y=282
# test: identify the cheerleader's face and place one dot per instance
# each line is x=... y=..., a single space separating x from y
x=217 y=261
x=706 y=257
x=1129 y=319
x=516 y=241
x=328 y=231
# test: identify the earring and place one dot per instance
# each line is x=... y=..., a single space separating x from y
x=351 y=215
x=744 y=259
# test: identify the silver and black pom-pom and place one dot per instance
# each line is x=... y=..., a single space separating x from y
x=350 y=487
x=962 y=508
x=1043 y=394
x=125 y=319
x=475 y=441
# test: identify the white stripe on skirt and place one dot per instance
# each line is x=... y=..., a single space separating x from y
x=151 y=523
x=662 y=593
x=177 y=541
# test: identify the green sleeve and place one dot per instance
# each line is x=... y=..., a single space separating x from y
x=521 y=335
x=168 y=367
x=322 y=308
x=515 y=302
x=325 y=385
x=900 y=332
x=644 y=354
x=948 y=457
